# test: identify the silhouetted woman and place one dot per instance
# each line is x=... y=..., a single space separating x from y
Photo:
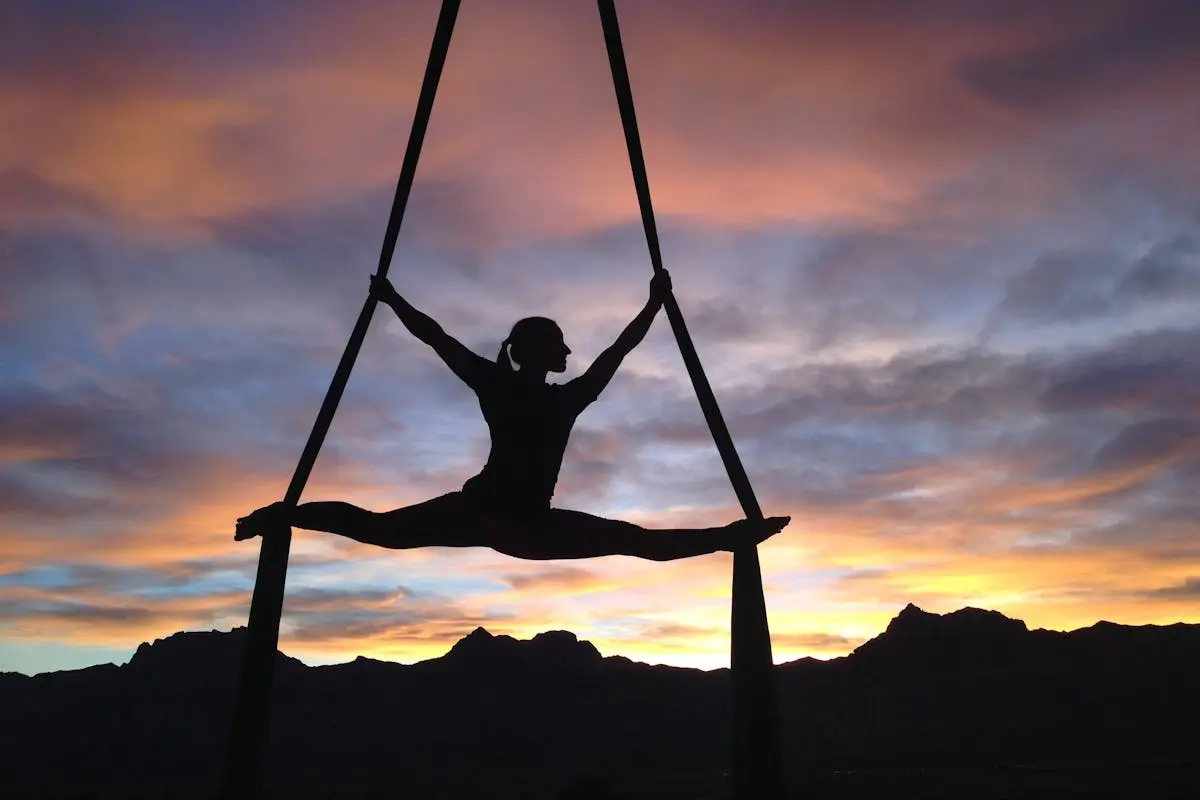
x=507 y=505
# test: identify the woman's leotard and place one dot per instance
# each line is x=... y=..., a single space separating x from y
x=530 y=424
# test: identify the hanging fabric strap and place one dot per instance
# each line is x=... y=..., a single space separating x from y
x=243 y=776
x=757 y=766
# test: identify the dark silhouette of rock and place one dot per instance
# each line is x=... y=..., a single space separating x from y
x=550 y=716
x=969 y=634
x=554 y=650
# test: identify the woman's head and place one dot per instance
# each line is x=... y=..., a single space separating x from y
x=536 y=344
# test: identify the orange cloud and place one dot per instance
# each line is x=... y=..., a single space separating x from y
x=573 y=579
x=744 y=122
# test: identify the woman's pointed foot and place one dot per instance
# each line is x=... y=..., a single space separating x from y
x=772 y=526
x=265 y=520
x=754 y=531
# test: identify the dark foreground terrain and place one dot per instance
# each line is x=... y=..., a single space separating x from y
x=964 y=705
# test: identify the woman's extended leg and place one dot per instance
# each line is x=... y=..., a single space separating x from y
x=574 y=534
x=446 y=521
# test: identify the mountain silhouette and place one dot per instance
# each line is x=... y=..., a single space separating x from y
x=497 y=716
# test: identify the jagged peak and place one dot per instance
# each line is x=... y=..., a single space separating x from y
x=565 y=643
x=197 y=650
x=477 y=642
x=983 y=616
x=916 y=633
x=911 y=612
x=187 y=641
x=544 y=647
x=912 y=617
x=479 y=634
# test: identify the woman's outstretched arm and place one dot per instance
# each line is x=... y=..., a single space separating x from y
x=605 y=366
x=468 y=366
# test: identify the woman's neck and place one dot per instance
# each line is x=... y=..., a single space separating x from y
x=533 y=376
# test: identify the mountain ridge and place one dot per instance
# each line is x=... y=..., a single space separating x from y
x=912 y=623
x=969 y=688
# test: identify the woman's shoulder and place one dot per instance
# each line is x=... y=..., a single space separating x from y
x=578 y=393
x=491 y=374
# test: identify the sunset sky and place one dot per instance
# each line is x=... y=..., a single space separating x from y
x=941 y=261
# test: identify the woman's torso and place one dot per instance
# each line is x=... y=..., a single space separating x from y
x=530 y=424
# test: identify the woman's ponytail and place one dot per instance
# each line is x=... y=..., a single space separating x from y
x=526 y=337
x=502 y=357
